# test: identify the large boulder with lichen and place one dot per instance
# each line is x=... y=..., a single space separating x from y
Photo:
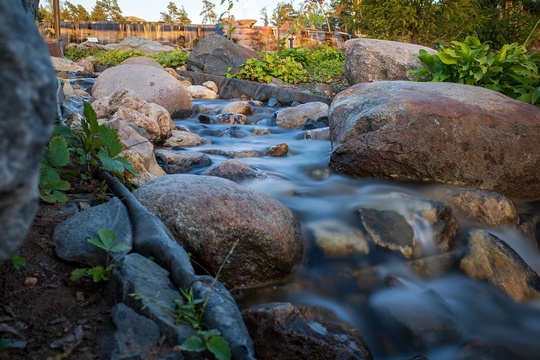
x=437 y=132
x=27 y=112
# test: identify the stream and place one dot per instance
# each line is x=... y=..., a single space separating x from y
x=394 y=309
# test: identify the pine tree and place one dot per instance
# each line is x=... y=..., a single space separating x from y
x=175 y=15
x=208 y=14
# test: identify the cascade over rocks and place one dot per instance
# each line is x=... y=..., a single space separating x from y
x=368 y=60
x=27 y=111
x=208 y=214
x=215 y=54
x=149 y=83
x=442 y=132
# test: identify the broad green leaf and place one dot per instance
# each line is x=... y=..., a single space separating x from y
x=91 y=117
x=58 y=151
x=107 y=237
x=109 y=164
x=111 y=140
x=219 y=347
x=98 y=273
x=194 y=343
x=120 y=248
x=48 y=174
x=60 y=196
x=18 y=261
x=447 y=59
x=78 y=274
x=128 y=166
x=535 y=96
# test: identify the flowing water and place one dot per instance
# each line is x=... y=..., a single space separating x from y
x=376 y=292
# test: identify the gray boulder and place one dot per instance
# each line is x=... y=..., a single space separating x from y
x=71 y=236
x=177 y=161
x=27 y=111
x=437 y=132
x=212 y=217
x=368 y=60
x=236 y=170
x=215 y=54
x=149 y=83
x=296 y=116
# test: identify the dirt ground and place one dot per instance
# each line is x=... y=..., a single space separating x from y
x=55 y=318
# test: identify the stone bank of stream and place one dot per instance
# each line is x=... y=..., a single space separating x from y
x=373 y=247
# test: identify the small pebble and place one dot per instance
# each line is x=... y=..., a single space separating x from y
x=30 y=282
x=79 y=296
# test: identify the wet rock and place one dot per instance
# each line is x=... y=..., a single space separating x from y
x=311 y=124
x=71 y=236
x=368 y=60
x=87 y=65
x=285 y=331
x=139 y=151
x=399 y=130
x=389 y=229
x=318 y=134
x=130 y=334
x=184 y=139
x=238 y=107
x=279 y=150
x=201 y=92
x=146 y=46
x=236 y=170
x=63 y=64
x=261 y=131
x=233 y=154
x=478 y=206
x=296 y=117
x=215 y=54
x=174 y=161
x=208 y=215
x=149 y=83
x=336 y=239
x=480 y=350
x=155 y=295
x=230 y=118
x=490 y=259
x=27 y=111
x=273 y=102
x=127 y=106
x=415 y=320
x=432 y=222
x=207 y=119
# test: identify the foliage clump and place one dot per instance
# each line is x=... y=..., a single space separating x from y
x=511 y=70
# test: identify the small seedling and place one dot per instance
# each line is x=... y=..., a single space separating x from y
x=18 y=261
x=107 y=242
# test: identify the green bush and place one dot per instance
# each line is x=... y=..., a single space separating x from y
x=76 y=54
x=511 y=70
x=272 y=66
x=115 y=57
x=173 y=59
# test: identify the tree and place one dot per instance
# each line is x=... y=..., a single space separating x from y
x=507 y=21
x=347 y=15
x=208 y=14
x=106 y=10
x=74 y=13
x=284 y=14
x=175 y=15
x=264 y=16
x=426 y=22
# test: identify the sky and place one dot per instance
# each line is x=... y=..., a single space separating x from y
x=149 y=9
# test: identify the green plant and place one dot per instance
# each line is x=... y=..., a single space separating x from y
x=80 y=152
x=78 y=53
x=210 y=340
x=272 y=65
x=107 y=242
x=51 y=184
x=173 y=59
x=115 y=57
x=511 y=70
x=18 y=261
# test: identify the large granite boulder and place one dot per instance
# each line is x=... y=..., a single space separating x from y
x=215 y=54
x=149 y=83
x=212 y=217
x=27 y=112
x=368 y=60
x=437 y=132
